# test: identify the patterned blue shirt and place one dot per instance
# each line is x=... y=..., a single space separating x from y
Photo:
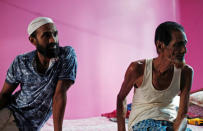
x=32 y=104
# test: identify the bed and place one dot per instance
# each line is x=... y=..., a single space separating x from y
x=104 y=124
x=94 y=124
x=88 y=124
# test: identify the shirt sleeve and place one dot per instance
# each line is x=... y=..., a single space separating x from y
x=69 y=66
x=12 y=76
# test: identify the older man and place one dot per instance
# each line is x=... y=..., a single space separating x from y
x=44 y=75
x=156 y=82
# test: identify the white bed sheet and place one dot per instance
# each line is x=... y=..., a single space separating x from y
x=195 y=128
x=88 y=124
x=94 y=124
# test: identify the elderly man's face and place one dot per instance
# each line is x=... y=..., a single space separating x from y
x=176 y=49
x=47 y=41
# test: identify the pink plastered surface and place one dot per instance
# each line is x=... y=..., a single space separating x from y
x=107 y=36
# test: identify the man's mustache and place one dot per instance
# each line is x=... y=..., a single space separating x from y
x=52 y=45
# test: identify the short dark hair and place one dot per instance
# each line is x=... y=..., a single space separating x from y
x=164 y=31
x=34 y=34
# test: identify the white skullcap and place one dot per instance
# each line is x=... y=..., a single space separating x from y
x=37 y=22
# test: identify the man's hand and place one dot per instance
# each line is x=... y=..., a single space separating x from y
x=59 y=103
x=6 y=93
x=180 y=125
x=186 y=82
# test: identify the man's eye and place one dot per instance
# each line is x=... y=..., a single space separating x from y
x=177 y=45
x=47 y=35
x=55 y=33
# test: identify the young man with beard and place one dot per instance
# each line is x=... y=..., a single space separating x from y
x=156 y=82
x=44 y=75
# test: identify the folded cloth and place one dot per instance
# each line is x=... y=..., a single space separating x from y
x=197 y=98
x=110 y=115
x=113 y=114
x=195 y=111
x=195 y=121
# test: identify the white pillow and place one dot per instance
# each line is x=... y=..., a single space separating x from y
x=197 y=98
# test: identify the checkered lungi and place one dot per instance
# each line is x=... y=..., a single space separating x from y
x=154 y=125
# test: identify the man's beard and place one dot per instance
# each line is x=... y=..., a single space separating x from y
x=179 y=63
x=50 y=51
x=177 y=59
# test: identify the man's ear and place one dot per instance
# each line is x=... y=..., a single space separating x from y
x=160 y=46
x=32 y=40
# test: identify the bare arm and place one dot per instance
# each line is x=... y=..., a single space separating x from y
x=186 y=83
x=6 y=93
x=129 y=81
x=59 y=103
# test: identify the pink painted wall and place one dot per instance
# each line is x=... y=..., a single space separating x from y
x=107 y=35
x=191 y=17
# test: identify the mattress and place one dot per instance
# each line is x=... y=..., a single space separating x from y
x=94 y=124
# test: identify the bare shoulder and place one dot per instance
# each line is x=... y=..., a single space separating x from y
x=136 y=68
x=186 y=78
x=187 y=70
x=136 y=65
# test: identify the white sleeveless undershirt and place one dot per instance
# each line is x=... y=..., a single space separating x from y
x=150 y=103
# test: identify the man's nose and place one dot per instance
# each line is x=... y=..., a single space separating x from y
x=183 y=49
